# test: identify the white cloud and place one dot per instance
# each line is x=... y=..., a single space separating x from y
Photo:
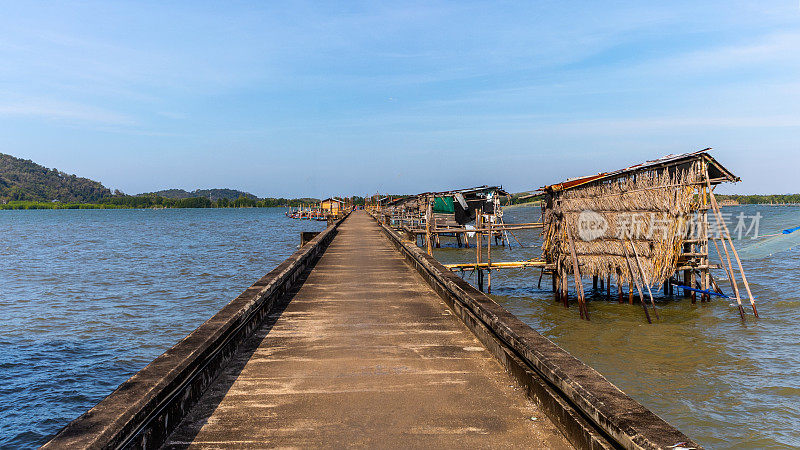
x=777 y=49
x=66 y=111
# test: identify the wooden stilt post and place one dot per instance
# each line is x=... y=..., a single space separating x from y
x=732 y=277
x=729 y=269
x=584 y=311
x=557 y=285
x=515 y=238
x=478 y=236
x=428 y=218
x=505 y=233
x=638 y=287
x=697 y=279
x=594 y=282
x=489 y=259
x=714 y=284
x=644 y=278
x=735 y=253
x=479 y=247
x=722 y=262
x=704 y=271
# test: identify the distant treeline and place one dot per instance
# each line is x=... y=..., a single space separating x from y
x=154 y=201
x=157 y=201
x=761 y=199
x=22 y=204
x=27 y=185
x=519 y=198
x=213 y=194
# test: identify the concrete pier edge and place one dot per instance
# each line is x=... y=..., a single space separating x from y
x=591 y=411
x=143 y=410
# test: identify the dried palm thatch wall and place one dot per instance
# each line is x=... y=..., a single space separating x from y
x=647 y=209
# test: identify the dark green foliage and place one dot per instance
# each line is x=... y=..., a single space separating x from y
x=519 y=198
x=24 y=180
x=157 y=201
x=53 y=205
x=213 y=194
x=154 y=201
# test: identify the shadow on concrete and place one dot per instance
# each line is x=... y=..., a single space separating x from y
x=185 y=433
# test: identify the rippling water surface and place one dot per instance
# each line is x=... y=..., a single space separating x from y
x=725 y=383
x=88 y=297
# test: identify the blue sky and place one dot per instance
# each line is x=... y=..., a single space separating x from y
x=296 y=98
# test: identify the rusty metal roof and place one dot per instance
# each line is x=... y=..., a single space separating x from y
x=717 y=173
x=498 y=189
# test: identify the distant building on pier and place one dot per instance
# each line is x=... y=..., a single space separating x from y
x=332 y=206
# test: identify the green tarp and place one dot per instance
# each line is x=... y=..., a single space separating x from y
x=443 y=205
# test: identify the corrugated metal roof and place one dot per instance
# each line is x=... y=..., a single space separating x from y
x=716 y=170
x=498 y=189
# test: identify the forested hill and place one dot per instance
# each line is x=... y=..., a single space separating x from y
x=212 y=194
x=22 y=179
x=27 y=185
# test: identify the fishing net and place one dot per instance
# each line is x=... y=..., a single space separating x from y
x=766 y=246
x=760 y=231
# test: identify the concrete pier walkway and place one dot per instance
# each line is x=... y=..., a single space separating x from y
x=364 y=354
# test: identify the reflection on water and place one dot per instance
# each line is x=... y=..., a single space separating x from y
x=725 y=383
x=88 y=297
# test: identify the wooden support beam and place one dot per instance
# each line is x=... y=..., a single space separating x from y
x=584 y=311
x=645 y=280
x=489 y=258
x=735 y=253
x=638 y=287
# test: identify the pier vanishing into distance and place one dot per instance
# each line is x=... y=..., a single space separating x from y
x=360 y=338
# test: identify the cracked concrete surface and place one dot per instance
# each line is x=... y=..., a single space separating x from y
x=364 y=354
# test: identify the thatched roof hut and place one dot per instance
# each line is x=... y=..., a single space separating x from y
x=646 y=211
